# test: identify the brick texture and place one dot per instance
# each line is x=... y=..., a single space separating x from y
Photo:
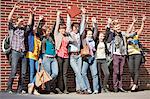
x=101 y=9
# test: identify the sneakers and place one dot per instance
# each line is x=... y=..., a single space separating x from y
x=58 y=91
x=122 y=90
x=134 y=88
x=66 y=92
x=35 y=92
x=30 y=88
x=104 y=90
x=95 y=92
x=10 y=92
x=89 y=91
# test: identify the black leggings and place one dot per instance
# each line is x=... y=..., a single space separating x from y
x=134 y=63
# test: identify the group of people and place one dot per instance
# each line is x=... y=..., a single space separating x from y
x=58 y=47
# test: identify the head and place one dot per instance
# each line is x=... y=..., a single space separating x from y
x=20 y=21
x=42 y=22
x=75 y=27
x=89 y=33
x=101 y=36
x=62 y=29
x=116 y=25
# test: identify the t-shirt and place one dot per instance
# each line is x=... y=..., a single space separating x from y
x=100 y=53
x=133 y=45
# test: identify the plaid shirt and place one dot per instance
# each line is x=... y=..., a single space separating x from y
x=17 y=41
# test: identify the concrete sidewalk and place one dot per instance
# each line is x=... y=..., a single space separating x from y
x=111 y=95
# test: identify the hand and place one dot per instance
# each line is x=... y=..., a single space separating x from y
x=69 y=7
x=144 y=18
x=32 y=10
x=83 y=10
x=17 y=5
x=87 y=19
x=41 y=17
x=109 y=21
x=40 y=60
x=94 y=19
x=58 y=13
x=134 y=19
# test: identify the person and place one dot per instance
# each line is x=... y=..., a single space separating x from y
x=18 y=30
x=88 y=38
x=118 y=49
x=134 y=52
x=49 y=59
x=76 y=31
x=101 y=55
x=62 y=40
x=34 y=54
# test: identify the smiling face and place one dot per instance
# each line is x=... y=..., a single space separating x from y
x=62 y=29
x=20 y=21
x=75 y=27
x=101 y=37
x=89 y=34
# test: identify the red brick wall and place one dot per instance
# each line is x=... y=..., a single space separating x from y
x=101 y=9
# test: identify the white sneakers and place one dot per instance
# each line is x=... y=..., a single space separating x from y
x=95 y=92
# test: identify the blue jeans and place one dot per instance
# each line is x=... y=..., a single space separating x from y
x=51 y=66
x=16 y=56
x=90 y=62
x=33 y=64
x=76 y=63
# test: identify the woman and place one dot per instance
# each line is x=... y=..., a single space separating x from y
x=101 y=55
x=134 y=52
x=90 y=61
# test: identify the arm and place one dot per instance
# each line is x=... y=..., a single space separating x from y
x=94 y=22
x=12 y=11
x=142 y=26
x=68 y=23
x=57 y=22
x=82 y=24
x=131 y=26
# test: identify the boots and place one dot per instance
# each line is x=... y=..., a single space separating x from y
x=30 y=88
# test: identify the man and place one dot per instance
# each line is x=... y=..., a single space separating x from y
x=117 y=40
x=17 y=44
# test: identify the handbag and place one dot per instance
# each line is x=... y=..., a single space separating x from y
x=42 y=76
x=85 y=51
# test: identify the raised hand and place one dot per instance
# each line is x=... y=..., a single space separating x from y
x=144 y=18
x=58 y=13
x=32 y=10
x=41 y=17
x=134 y=19
x=109 y=21
x=83 y=10
x=17 y=5
x=94 y=19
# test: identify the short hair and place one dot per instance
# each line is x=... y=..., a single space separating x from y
x=74 y=24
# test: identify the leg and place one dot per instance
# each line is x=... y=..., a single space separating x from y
x=93 y=69
x=65 y=69
x=131 y=66
x=14 y=60
x=115 y=71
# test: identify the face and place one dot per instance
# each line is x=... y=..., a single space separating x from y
x=101 y=36
x=62 y=31
x=89 y=34
x=20 y=21
x=75 y=28
x=117 y=28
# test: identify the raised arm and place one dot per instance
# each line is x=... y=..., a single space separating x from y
x=94 y=23
x=82 y=24
x=142 y=25
x=13 y=10
x=57 y=22
x=131 y=26
x=68 y=24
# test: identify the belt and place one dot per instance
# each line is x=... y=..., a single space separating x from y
x=74 y=53
x=49 y=56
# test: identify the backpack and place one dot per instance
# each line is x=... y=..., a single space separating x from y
x=6 y=45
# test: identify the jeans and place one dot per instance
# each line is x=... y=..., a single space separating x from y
x=76 y=63
x=102 y=65
x=63 y=64
x=93 y=68
x=16 y=56
x=51 y=66
x=118 y=63
x=134 y=63
x=33 y=64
